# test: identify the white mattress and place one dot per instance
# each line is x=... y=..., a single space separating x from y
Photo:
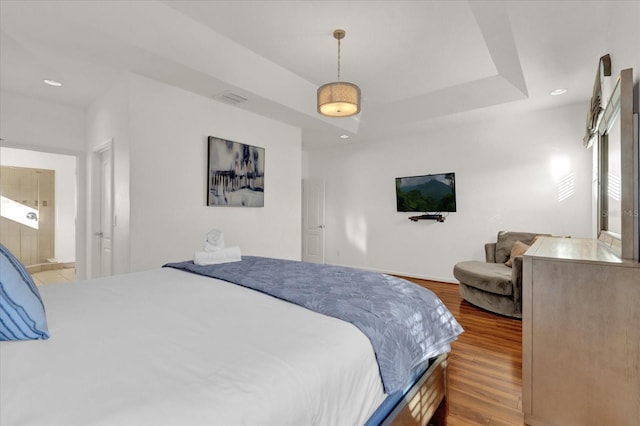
x=166 y=347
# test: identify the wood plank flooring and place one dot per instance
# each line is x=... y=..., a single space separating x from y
x=54 y=276
x=485 y=368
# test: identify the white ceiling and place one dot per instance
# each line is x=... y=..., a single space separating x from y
x=414 y=60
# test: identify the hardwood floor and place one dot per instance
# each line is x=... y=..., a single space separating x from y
x=54 y=276
x=485 y=368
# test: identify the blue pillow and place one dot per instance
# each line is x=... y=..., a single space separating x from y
x=22 y=315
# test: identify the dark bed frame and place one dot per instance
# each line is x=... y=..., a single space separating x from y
x=426 y=402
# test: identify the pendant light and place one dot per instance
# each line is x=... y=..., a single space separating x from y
x=339 y=99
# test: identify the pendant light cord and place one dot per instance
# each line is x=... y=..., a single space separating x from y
x=338 y=59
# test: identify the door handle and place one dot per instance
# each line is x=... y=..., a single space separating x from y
x=320 y=226
x=99 y=234
x=32 y=216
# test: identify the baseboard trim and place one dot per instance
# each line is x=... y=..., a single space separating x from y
x=403 y=274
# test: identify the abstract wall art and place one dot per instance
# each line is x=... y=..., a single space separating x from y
x=235 y=174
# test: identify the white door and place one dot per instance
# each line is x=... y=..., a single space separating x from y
x=106 y=212
x=313 y=220
x=102 y=219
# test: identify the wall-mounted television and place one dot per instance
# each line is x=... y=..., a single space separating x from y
x=427 y=193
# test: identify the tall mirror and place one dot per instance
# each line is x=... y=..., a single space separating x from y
x=610 y=209
x=618 y=172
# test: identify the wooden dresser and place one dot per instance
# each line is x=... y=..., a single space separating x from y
x=580 y=335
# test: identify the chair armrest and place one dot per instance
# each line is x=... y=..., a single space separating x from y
x=490 y=252
x=516 y=280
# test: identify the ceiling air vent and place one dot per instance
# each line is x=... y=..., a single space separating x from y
x=230 y=97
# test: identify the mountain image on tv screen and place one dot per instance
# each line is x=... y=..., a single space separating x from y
x=428 y=193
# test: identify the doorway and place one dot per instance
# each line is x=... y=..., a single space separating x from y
x=38 y=212
x=313 y=227
x=102 y=210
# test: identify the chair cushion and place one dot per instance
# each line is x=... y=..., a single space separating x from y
x=506 y=240
x=491 y=277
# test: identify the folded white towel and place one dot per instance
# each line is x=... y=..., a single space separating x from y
x=208 y=247
x=227 y=255
x=214 y=240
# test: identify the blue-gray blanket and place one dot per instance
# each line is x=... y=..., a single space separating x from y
x=406 y=324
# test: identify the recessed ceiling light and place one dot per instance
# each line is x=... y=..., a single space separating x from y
x=558 y=92
x=344 y=136
x=51 y=82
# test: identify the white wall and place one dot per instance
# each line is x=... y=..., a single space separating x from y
x=508 y=171
x=168 y=147
x=65 y=193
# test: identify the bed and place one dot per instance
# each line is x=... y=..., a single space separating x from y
x=174 y=346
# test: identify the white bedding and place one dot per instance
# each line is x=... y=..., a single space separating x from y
x=166 y=347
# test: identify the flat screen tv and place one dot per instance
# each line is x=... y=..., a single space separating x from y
x=426 y=193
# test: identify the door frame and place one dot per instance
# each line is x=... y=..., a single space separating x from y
x=80 y=199
x=321 y=228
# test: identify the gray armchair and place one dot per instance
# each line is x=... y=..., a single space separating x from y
x=492 y=285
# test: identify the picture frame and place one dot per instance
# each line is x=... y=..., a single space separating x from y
x=235 y=173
